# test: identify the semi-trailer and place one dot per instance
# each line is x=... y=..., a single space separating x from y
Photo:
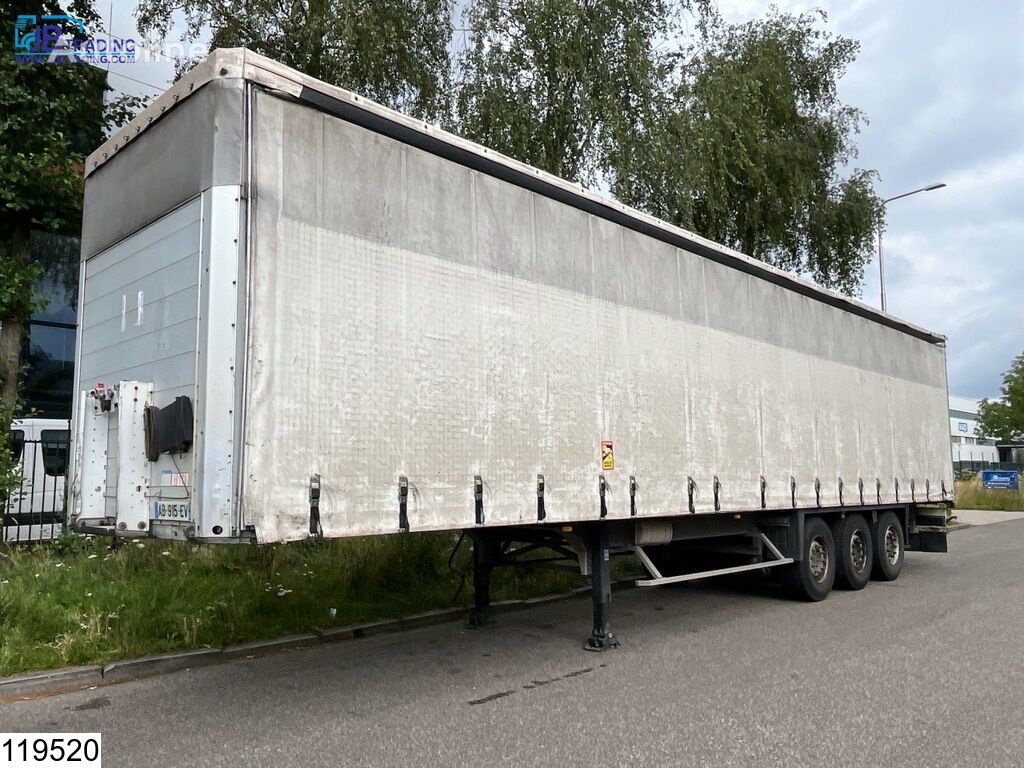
x=303 y=314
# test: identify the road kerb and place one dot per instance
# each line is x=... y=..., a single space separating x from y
x=274 y=645
x=370 y=628
x=147 y=666
x=47 y=682
x=429 y=618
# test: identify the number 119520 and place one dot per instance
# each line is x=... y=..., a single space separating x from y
x=43 y=750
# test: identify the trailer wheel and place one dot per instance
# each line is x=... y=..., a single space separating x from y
x=811 y=577
x=854 y=552
x=889 y=548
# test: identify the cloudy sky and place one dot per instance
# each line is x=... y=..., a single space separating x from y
x=942 y=84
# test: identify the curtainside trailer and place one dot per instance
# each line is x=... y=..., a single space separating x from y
x=305 y=315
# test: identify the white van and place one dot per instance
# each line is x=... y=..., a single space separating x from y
x=35 y=512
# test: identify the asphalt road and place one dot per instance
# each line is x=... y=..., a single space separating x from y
x=925 y=671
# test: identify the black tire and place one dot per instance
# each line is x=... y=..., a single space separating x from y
x=811 y=577
x=855 y=553
x=890 y=548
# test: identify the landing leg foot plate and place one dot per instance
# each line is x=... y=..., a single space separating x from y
x=599 y=643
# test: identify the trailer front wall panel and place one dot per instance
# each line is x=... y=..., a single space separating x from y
x=411 y=317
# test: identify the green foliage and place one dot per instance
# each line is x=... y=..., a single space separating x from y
x=76 y=601
x=18 y=276
x=392 y=51
x=52 y=117
x=1003 y=419
x=559 y=83
x=746 y=147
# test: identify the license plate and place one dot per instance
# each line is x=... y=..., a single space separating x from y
x=172 y=510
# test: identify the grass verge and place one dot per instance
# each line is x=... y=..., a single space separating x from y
x=78 y=601
x=971 y=495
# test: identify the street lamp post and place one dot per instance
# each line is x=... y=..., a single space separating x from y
x=881 y=264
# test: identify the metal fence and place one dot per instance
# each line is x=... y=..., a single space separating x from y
x=35 y=511
x=977 y=466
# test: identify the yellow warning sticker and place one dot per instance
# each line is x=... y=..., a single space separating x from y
x=607 y=455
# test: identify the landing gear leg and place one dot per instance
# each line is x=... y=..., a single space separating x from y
x=601 y=639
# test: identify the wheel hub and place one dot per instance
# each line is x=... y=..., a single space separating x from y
x=892 y=544
x=818 y=559
x=858 y=551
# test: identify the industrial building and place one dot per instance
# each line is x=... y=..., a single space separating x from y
x=967 y=447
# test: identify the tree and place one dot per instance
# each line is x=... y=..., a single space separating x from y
x=748 y=146
x=53 y=116
x=47 y=108
x=558 y=83
x=392 y=51
x=1003 y=419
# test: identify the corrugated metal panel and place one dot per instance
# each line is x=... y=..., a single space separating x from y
x=157 y=268
x=410 y=316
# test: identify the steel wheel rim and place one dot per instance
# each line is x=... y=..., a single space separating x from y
x=892 y=544
x=817 y=559
x=858 y=551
